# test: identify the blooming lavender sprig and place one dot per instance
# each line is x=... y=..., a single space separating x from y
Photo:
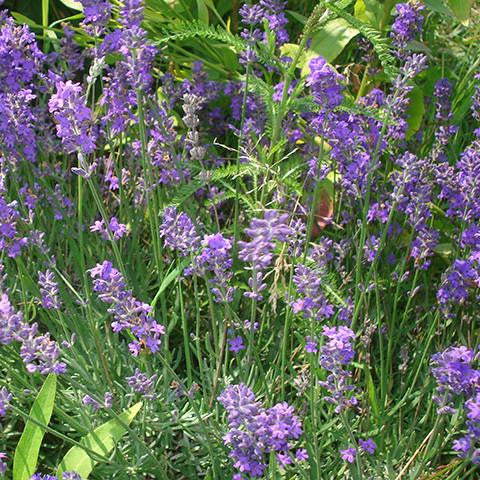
x=128 y=312
x=5 y=399
x=407 y=24
x=143 y=384
x=455 y=375
x=10 y=239
x=398 y=101
x=97 y=14
x=311 y=302
x=335 y=355
x=3 y=464
x=73 y=117
x=49 y=290
x=178 y=232
x=39 y=352
x=274 y=13
x=325 y=83
x=40 y=476
x=118 y=230
x=215 y=258
x=191 y=105
x=87 y=400
x=255 y=432
x=259 y=250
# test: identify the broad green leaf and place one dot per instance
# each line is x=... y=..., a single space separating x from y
x=202 y=11
x=369 y=11
x=74 y=5
x=332 y=38
x=101 y=441
x=461 y=8
x=26 y=453
x=415 y=111
x=438 y=6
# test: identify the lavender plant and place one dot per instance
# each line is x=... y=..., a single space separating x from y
x=239 y=240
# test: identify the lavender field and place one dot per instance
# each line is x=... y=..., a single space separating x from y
x=239 y=240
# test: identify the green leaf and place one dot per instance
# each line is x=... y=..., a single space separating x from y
x=415 y=112
x=26 y=453
x=461 y=8
x=25 y=20
x=332 y=39
x=74 y=5
x=368 y=11
x=101 y=441
x=438 y=6
x=372 y=394
x=202 y=11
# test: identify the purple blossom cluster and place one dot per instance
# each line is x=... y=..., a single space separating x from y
x=335 y=356
x=116 y=229
x=255 y=432
x=142 y=383
x=73 y=118
x=49 y=290
x=258 y=251
x=129 y=313
x=38 y=351
x=407 y=24
x=457 y=378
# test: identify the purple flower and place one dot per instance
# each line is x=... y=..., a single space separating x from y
x=301 y=455
x=215 y=259
x=11 y=322
x=10 y=240
x=39 y=352
x=97 y=14
x=442 y=93
x=87 y=400
x=39 y=476
x=73 y=118
x=325 y=83
x=408 y=22
x=5 y=399
x=254 y=431
x=368 y=445
x=3 y=465
x=142 y=383
x=235 y=344
x=334 y=356
x=251 y=14
x=49 y=290
x=117 y=229
x=259 y=250
x=71 y=476
x=454 y=374
x=20 y=58
x=311 y=345
x=348 y=454
x=275 y=16
x=128 y=312
x=178 y=232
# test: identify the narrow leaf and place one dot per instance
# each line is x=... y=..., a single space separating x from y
x=102 y=441
x=26 y=453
